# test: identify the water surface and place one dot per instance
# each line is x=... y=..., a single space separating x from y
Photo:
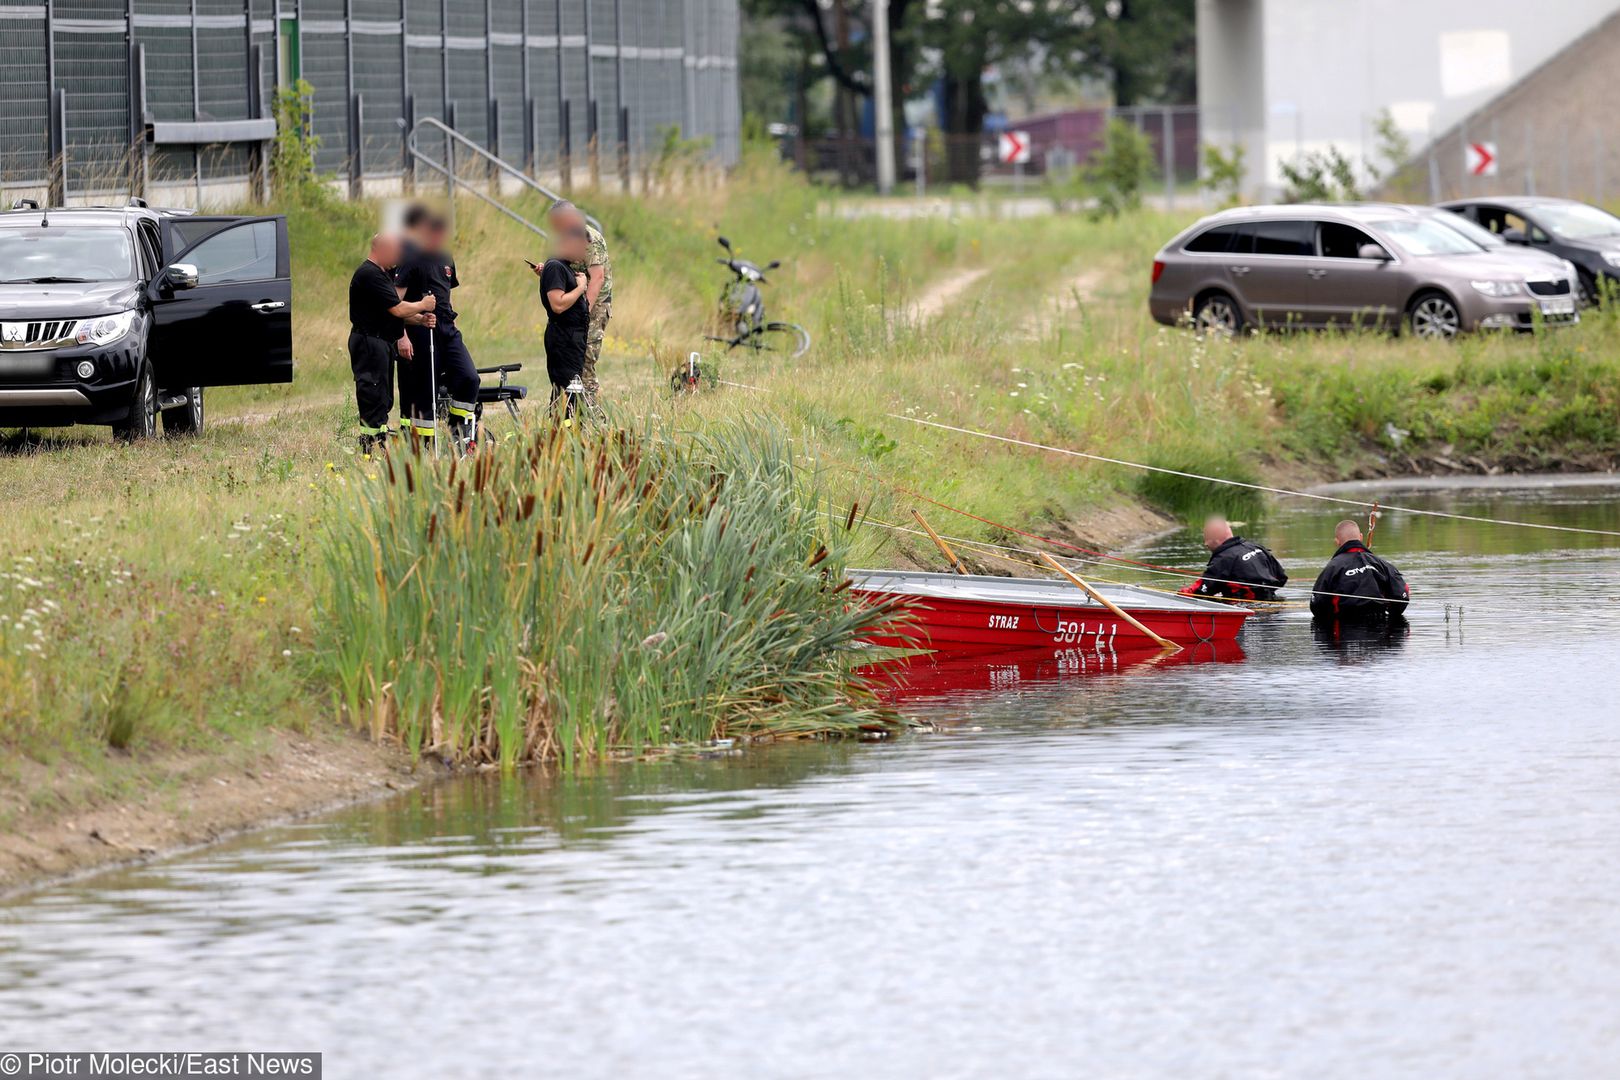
x=1389 y=857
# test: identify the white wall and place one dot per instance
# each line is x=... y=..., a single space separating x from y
x=1328 y=67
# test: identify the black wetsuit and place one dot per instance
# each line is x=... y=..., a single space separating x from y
x=1357 y=586
x=1242 y=570
x=372 y=337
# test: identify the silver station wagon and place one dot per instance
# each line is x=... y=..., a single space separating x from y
x=1350 y=266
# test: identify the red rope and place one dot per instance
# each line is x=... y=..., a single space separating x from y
x=1046 y=539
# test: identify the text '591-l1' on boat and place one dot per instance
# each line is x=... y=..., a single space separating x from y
x=958 y=613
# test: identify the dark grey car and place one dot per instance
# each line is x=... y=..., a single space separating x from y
x=1583 y=234
x=1349 y=266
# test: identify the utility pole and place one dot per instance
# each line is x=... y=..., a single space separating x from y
x=882 y=96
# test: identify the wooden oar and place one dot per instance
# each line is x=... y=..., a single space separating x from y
x=1119 y=613
x=950 y=556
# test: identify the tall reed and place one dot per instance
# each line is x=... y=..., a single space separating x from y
x=573 y=592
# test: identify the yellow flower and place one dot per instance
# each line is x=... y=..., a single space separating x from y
x=263 y=600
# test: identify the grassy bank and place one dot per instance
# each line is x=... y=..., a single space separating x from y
x=164 y=602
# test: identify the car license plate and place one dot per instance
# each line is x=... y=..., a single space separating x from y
x=1558 y=305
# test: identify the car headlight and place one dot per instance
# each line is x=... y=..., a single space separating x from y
x=105 y=328
x=1612 y=258
x=1496 y=288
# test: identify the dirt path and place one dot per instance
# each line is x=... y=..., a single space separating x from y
x=938 y=295
x=1077 y=292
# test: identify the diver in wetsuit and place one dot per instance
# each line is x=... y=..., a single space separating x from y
x=1238 y=569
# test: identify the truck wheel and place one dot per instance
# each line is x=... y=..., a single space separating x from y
x=186 y=419
x=142 y=420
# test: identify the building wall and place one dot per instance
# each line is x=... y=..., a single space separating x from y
x=1300 y=75
x=533 y=81
x=1552 y=131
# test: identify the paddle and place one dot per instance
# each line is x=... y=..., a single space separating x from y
x=1119 y=613
x=956 y=564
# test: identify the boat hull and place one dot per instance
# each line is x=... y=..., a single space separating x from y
x=942 y=612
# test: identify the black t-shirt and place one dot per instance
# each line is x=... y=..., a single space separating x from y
x=421 y=272
x=557 y=274
x=371 y=295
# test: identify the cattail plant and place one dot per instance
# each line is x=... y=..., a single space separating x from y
x=591 y=591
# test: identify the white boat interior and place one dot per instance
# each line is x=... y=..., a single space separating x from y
x=1024 y=592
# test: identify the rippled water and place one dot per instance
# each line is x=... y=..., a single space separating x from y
x=1388 y=858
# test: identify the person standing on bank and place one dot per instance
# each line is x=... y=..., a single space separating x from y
x=433 y=356
x=598 y=270
x=562 y=291
x=1238 y=569
x=377 y=318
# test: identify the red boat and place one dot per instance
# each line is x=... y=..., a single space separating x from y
x=955 y=612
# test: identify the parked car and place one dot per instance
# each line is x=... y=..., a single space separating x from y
x=117 y=315
x=1348 y=266
x=1583 y=234
x=1535 y=258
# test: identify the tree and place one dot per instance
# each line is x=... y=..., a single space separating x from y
x=1147 y=48
x=1144 y=48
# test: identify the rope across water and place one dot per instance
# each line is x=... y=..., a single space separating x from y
x=1384 y=508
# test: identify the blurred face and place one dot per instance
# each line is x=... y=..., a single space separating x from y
x=385 y=252
x=569 y=240
x=436 y=234
x=1216 y=533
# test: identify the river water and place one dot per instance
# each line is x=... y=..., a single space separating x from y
x=1397 y=857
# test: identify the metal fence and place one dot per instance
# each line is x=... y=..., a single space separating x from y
x=1059 y=144
x=106 y=97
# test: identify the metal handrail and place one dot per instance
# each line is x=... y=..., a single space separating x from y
x=506 y=167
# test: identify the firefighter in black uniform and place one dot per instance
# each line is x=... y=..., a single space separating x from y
x=1238 y=569
x=377 y=318
x=426 y=269
x=1357 y=586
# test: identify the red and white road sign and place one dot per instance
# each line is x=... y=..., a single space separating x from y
x=1479 y=158
x=1013 y=148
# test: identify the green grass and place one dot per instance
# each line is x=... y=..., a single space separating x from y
x=188 y=577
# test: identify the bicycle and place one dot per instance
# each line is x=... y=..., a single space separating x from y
x=742 y=305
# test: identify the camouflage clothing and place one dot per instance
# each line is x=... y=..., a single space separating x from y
x=601 y=311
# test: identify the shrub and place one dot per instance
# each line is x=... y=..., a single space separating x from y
x=1120 y=169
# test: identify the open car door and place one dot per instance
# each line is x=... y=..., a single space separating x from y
x=222 y=304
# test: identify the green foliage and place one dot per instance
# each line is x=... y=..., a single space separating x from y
x=581 y=591
x=677 y=154
x=1320 y=176
x=769 y=60
x=292 y=158
x=1120 y=169
x=1223 y=173
x=1192 y=500
x=871 y=441
x=1392 y=145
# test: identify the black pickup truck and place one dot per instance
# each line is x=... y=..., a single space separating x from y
x=119 y=315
